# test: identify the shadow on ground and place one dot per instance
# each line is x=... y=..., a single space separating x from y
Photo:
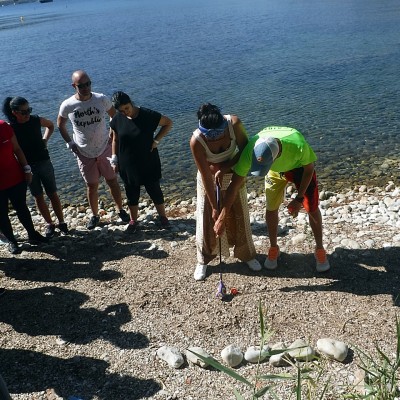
x=362 y=272
x=27 y=371
x=75 y=256
x=56 y=311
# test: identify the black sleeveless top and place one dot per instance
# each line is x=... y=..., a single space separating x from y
x=29 y=136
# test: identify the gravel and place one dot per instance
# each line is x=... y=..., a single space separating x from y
x=85 y=315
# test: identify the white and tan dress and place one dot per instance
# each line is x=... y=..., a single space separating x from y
x=238 y=230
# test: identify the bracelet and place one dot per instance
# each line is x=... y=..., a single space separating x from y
x=27 y=169
x=70 y=144
x=156 y=141
x=299 y=199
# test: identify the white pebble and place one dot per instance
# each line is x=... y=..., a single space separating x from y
x=171 y=355
x=278 y=360
x=193 y=358
x=254 y=355
x=232 y=355
x=301 y=350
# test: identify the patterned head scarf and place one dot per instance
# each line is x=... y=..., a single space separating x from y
x=213 y=133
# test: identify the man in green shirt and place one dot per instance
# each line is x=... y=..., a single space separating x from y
x=282 y=155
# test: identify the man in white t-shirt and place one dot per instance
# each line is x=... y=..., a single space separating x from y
x=91 y=142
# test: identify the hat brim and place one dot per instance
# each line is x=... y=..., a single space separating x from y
x=258 y=169
x=260 y=172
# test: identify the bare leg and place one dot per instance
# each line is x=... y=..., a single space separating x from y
x=160 y=209
x=272 y=219
x=93 y=197
x=115 y=192
x=134 y=211
x=315 y=219
x=57 y=207
x=43 y=208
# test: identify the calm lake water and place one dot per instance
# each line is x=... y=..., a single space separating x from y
x=329 y=68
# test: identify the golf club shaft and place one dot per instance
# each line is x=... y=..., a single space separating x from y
x=218 y=193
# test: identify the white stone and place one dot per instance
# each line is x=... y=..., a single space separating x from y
x=193 y=358
x=299 y=238
x=301 y=350
x=350 y=243
x=369 y=243
x=232 y=355
x=333 y=348
x=254 y=355
x=278 y=360
x=171 y=355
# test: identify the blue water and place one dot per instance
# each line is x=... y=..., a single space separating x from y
x=329 y=68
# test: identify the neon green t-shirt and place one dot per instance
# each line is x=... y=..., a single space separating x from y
x=296 y=152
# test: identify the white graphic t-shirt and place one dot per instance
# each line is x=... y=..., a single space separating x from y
x=88 y=120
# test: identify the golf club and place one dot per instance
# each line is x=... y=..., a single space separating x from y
x=221 y=290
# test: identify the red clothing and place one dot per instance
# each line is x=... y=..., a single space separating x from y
x=11 y=172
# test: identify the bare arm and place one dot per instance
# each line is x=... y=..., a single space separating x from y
x=203 y=166
x=114 y=144
x=21 y=159
x=294 y=206
x=111 y=112
x=229 y=198
x=306 y=178
x=166 y=125
x=46 y=123
x=241 y=141
x=114 y=151
x=62 y=126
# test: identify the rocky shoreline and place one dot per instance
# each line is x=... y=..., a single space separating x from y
x=85 y=314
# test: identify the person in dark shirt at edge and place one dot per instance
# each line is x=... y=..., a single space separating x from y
x=28 y=130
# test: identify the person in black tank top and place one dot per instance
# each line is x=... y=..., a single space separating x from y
x=28 y=130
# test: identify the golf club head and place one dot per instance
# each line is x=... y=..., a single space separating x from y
x=221 y=290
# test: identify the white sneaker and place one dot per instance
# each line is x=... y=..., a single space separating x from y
x=254 y=265
x=200 y=272
x=271 y=262
x=322 y=260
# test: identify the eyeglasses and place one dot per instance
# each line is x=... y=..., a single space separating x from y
x=83 y=85
x=24 y=112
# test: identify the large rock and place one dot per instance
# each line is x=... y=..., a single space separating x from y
x=333 y=348
x=232 y=355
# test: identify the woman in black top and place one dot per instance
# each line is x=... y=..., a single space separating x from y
x=28 y=130
x=135 y=153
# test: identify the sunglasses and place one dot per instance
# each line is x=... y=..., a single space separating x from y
x=83 y=85
x=24 y=112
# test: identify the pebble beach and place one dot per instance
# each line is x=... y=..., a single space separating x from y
x=91 y=311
